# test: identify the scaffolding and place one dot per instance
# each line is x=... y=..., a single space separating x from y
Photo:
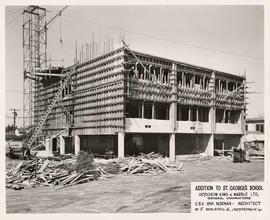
x=34 y=56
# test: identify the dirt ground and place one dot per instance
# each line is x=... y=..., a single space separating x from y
x=132 y=194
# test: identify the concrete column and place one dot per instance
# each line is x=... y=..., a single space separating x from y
x=224 y=116
x=183 y=75
x=197 y=114
x=173 y=115
x=136 y=71
x=121 y=144
x=142 y=109
x=154 y=78
x=144 y=74
x=77 y=144
x=161 y=75
x=189 y=114
x=48 y=144
x=153 y=110
x=150 y=74
x=212 y=119
x=172 y=146
x=173 y=105
x=62 y=145
x=210 y=146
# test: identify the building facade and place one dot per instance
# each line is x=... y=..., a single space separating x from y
x=255 y=132
x=132 y=102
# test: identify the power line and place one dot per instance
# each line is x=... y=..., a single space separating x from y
x=15 y=114
x=167 y=40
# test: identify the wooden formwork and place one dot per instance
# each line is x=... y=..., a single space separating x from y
x=94 y=101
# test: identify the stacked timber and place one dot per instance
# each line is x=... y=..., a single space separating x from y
x=53 y=173
x=151 y=163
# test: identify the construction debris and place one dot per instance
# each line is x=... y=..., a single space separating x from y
x=151 y=163
x=63 y=171
x=55 y=174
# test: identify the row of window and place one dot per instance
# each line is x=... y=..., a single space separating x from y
x=150 y=110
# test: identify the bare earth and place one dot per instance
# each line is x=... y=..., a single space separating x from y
x=121 y=193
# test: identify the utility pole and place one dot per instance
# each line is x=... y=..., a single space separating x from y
x=15 y=114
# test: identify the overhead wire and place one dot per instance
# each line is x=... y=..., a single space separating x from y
x=164 y=39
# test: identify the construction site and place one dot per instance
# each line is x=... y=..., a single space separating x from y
x=145 y=113
x=130 y=102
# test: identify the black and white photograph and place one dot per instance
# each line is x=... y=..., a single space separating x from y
x=134 y=108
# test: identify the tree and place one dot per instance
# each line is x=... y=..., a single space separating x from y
x=10 y=129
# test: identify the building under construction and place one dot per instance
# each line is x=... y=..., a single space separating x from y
x=129 y=102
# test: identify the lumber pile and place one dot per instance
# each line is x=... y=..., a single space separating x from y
x=151 y=163
x=54 y=173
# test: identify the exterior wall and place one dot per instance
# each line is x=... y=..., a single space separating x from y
x=251 y=125
x=222 y=128
x=193 y=127
x=141 y=125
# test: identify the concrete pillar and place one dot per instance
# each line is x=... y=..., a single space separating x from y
x=224 y=116
x=210 y=146
x=173 y=115
x=77 y=144
x=172 y=146
x=189 y=114
x=48 y=144
x=153 y=110
x=121 y=144
x=143 y=109
x=229 y=116
x=197 y=114
x=183 y=75
x=173 y=105
x=62 y=144
x=161 y=75
x=212 y=119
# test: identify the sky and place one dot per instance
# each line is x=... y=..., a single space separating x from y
x=225 y=38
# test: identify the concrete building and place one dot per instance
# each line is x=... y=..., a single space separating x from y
x=142 y=103
x=255 y=132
